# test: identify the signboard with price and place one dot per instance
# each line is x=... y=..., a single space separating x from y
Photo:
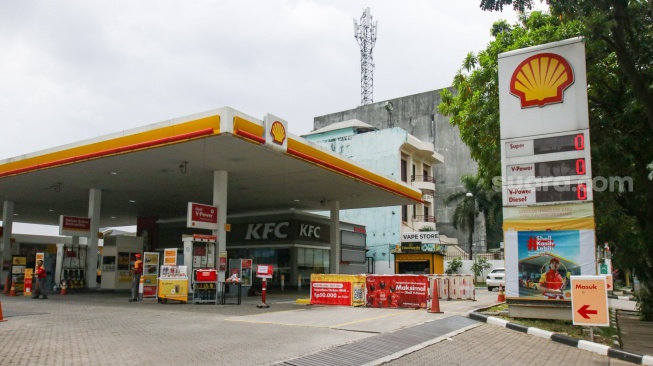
x=345 y=290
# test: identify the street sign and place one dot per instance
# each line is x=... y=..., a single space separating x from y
x=589 y=301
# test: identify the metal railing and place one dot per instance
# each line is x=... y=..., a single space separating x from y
x=463 y=256
x=422 y=178
x=424 y=218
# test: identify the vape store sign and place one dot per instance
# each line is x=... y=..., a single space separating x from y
x=202 y=216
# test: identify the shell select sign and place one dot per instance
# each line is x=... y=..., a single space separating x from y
x=541 y=79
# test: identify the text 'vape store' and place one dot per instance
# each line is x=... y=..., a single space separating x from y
x=296 y=244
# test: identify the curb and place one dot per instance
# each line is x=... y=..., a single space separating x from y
x=569 y=341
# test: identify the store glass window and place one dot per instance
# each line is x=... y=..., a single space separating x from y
x=311 y=261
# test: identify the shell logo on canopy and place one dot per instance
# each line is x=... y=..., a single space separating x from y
x=541 y=79
x=278 y=132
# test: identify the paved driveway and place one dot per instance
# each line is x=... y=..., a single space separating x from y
x=104 y=329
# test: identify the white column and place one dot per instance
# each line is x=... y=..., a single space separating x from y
x=334 y=259
x=7 y=224
x=58 y=265
x=220 y=180
x=94 y=206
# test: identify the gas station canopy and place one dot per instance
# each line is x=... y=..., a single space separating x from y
x=155 y=170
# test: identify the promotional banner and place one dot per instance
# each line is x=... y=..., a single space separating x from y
x=397 y=291
x=552 y=212
x=344 y=290
x=585 y=223
x=540 y=263
x=150 y=273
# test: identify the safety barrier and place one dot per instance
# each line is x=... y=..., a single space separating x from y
x=455 y=287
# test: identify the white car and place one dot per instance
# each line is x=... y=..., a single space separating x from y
x=495 y=278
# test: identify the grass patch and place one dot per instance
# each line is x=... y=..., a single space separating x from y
x=602 y=335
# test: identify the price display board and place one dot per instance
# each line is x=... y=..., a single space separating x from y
x=538 y=194
x=546 y=158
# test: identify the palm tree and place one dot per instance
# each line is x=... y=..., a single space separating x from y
x=472 y=201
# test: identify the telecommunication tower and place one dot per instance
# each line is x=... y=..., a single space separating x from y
x=365 y=34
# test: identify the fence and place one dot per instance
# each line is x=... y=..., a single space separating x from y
x=463 y=256
x=455 y=287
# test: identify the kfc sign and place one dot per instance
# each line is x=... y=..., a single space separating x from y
x=202 y=216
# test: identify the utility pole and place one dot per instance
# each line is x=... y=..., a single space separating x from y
x=365 y=34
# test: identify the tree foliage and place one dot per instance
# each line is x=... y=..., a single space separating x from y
x=482 y=200
x=619 y=56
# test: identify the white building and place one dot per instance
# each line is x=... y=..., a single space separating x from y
x=399 y=155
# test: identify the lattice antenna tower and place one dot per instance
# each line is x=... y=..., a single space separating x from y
x=365 y=34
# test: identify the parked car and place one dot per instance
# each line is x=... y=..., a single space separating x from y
x=495 y=278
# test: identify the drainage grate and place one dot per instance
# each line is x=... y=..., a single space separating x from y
x=382 y=345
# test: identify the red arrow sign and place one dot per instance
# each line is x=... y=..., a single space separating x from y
x=584 y=311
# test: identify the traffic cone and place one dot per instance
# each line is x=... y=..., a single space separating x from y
x=7 y=285
x=1 y=318
x=12 y=290
x=502 y=296
x=63 y=288
x=435 y=298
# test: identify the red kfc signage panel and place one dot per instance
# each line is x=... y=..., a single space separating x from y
x=331 y=293
x=397 y=291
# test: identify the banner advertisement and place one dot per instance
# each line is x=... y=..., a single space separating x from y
x=344 y=290
x=170 y=256
x=539 y=264
x=584 y=223
x=397 y=291
x=552 y=212
x=150 y=273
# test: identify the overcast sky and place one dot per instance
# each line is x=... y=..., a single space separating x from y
x=72 y=70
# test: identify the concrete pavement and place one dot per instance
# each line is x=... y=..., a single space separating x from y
x=101 y=328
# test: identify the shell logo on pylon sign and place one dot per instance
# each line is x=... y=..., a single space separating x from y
x=278 y=132
x=541 y=79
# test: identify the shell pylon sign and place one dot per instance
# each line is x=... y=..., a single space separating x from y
x=541 y=79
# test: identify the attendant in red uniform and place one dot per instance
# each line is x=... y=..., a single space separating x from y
x=40 y=275
x=551 y=282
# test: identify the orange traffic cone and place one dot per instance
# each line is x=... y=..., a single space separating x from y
x=1 y=318
x=7 y=285
x=12 y=290
x=63 y=288
x=435 y=298
x=502 y=296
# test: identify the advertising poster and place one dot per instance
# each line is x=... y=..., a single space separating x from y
x=397 y=291
x=539 y=264
x=246 y=272
x=170 y=257
x=331 y=293
x=346 y=290
x=28 y=282
x=173 y=289
x=150 y=273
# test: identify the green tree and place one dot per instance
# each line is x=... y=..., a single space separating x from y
x=473 y=200
x=480 y=265
x=619 y=52
x=454 y=266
